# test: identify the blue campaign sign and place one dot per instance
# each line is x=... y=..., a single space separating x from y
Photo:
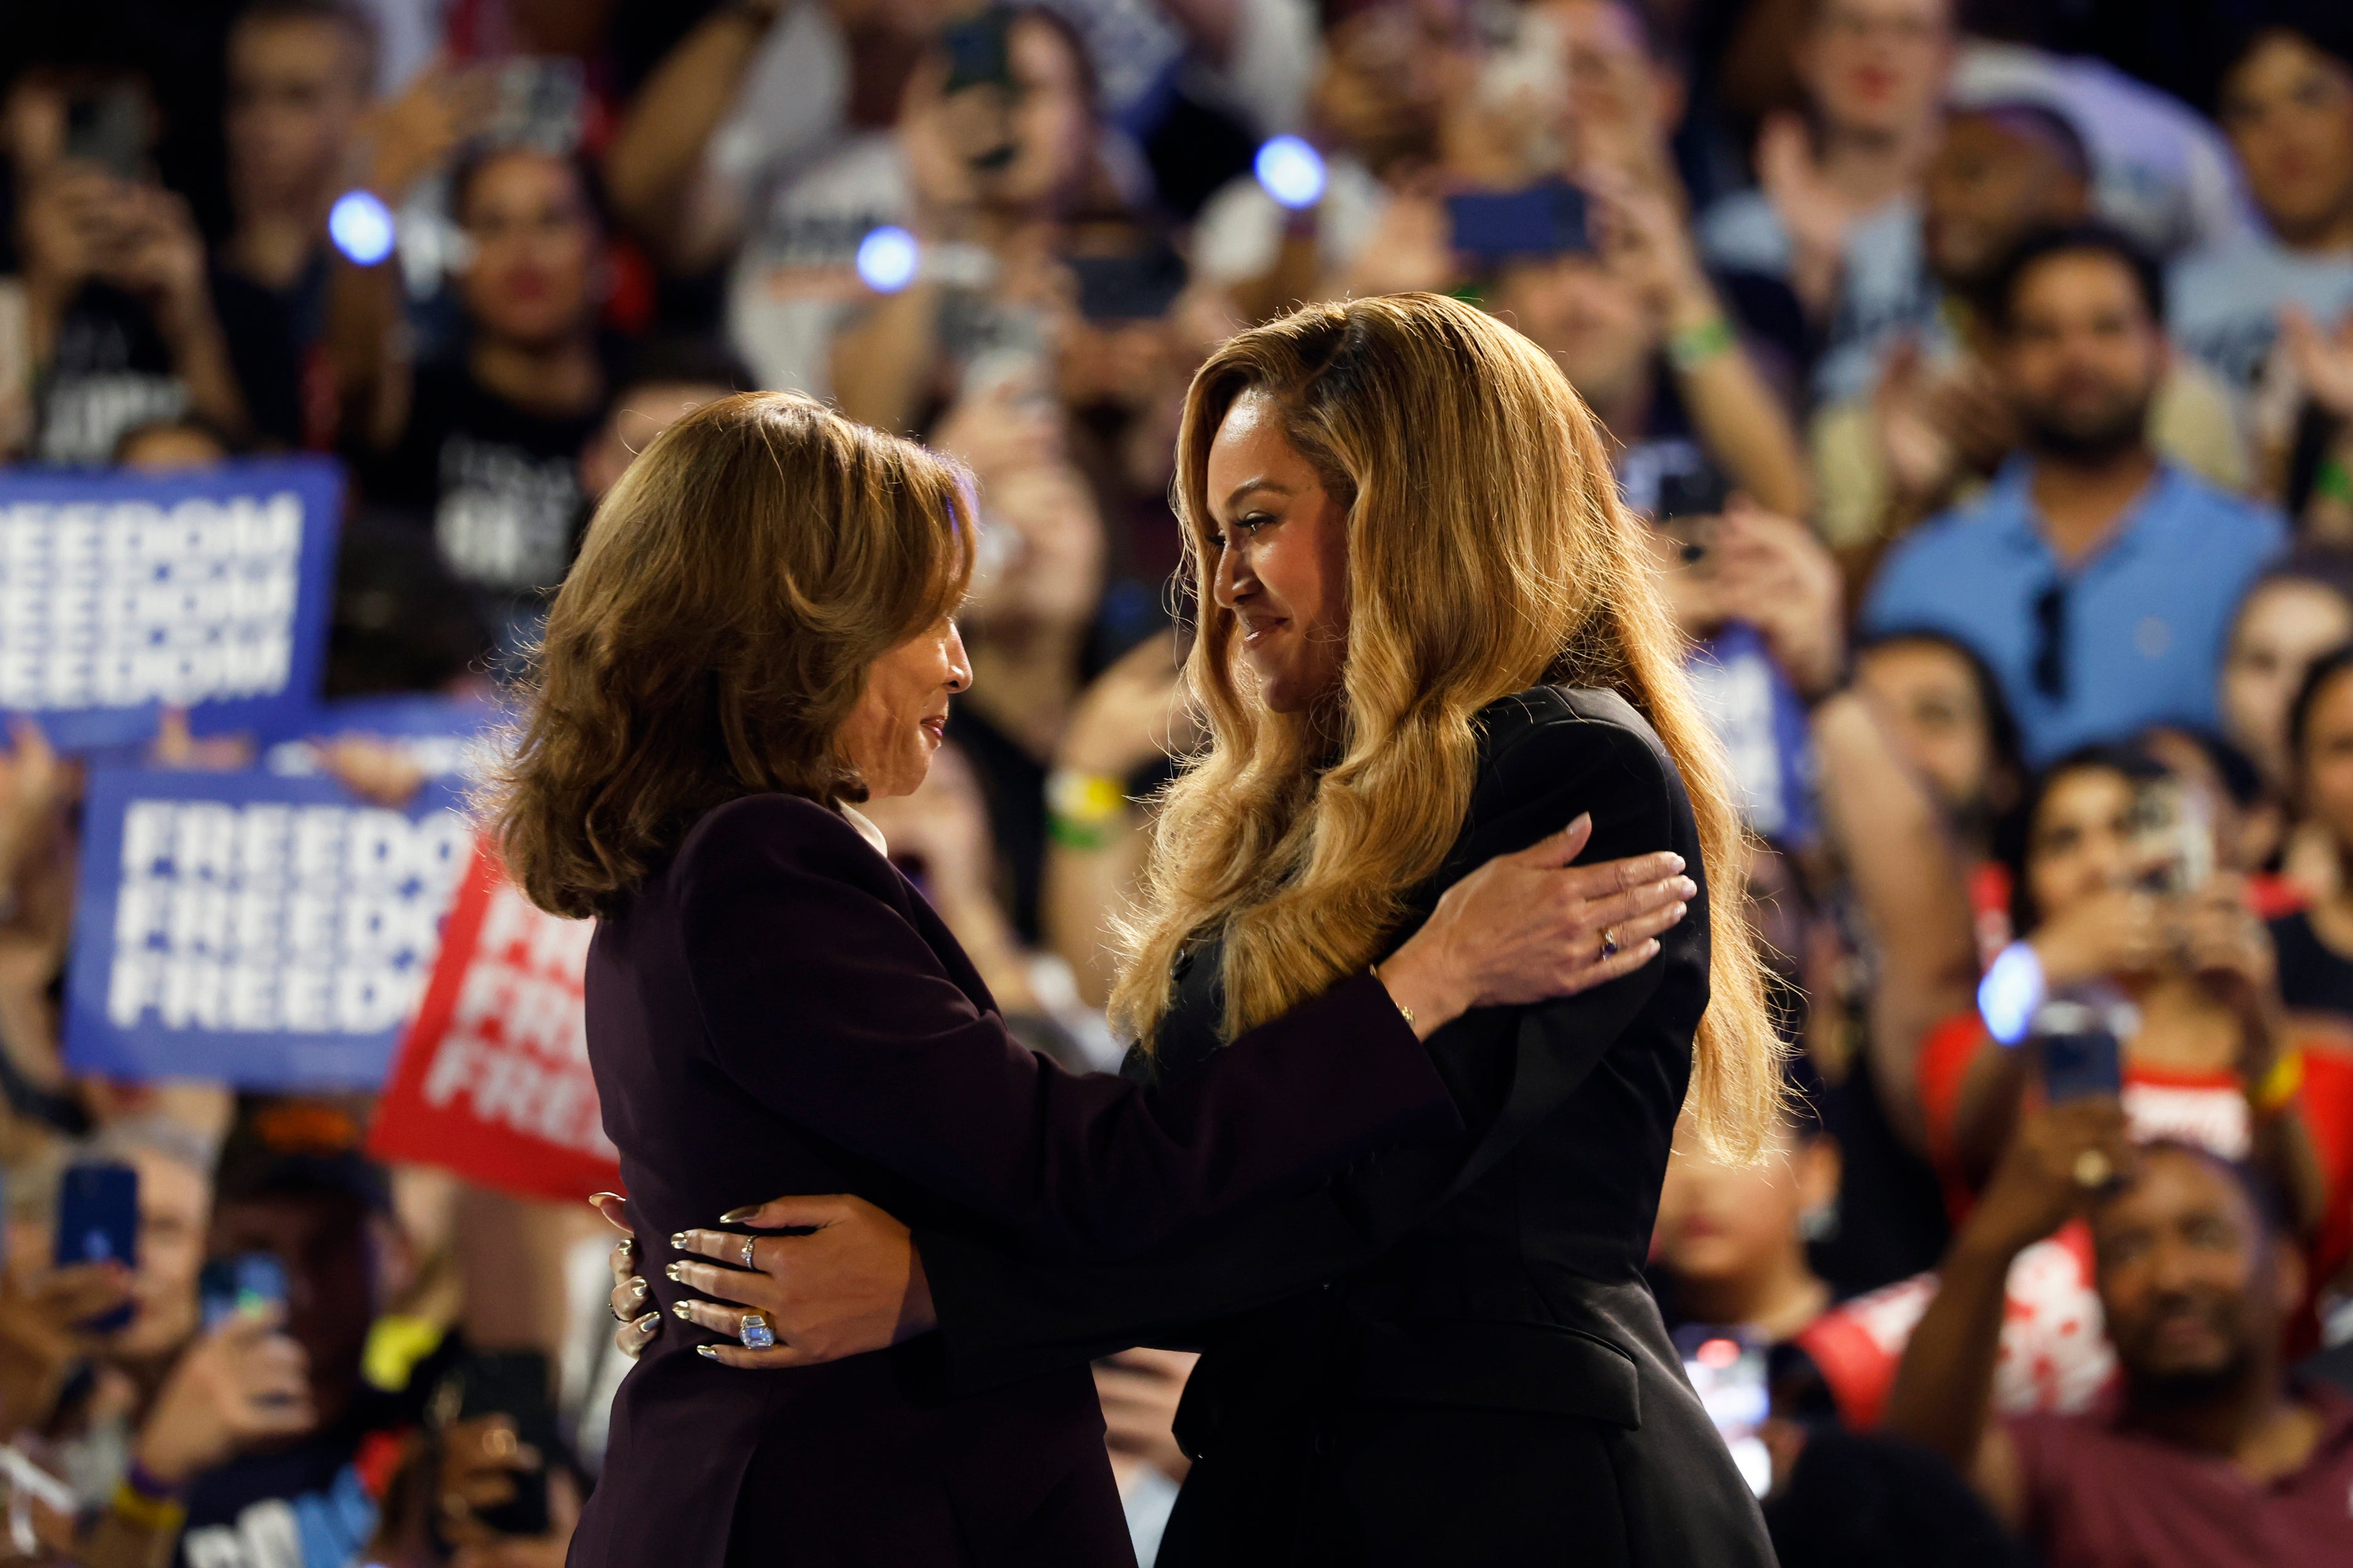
x=269 y=932
x=122 y=593
x=451 y=738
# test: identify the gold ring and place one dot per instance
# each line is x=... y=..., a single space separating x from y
x=1608 y=943
x=2093 y=1170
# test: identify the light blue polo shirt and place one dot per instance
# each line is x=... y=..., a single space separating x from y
x=2146 y=612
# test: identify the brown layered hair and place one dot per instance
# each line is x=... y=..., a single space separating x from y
x=716 y=631
x=1488 y=553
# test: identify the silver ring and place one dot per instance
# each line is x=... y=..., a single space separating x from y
x=747 y=1253
x=1609 y=942
x=754 y=1332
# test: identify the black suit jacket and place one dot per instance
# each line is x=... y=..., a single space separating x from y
x=779 y=1011
x=1499 y=1271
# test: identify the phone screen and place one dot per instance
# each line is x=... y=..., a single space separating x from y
x=98 y=1222
x=513 y=1384
x=1726 y=1368
x=108 y=127
x=1542 y=220
x=247 y=1282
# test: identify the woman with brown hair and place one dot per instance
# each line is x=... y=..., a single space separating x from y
x=757 y=636
x=1428 y=637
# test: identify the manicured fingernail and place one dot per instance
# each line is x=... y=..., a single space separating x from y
x=627 y=1244
x=638 y=1287
x=677 y=1241
x=594 y=1196
x=708 y=1352
x=737 y=1216
x=671 y=1274
x=1675 y=860
x=1681 y=909
x=1686 y=886
x=649 y=1323
x=680 y=1309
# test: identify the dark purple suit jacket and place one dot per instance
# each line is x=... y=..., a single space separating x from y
x=779 y=1011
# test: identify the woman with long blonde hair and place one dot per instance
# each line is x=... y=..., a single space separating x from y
x=1428 y=637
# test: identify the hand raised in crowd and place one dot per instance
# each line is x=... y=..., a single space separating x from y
x=1813 y=211
x=36 y=787
x=243 y=1382
x=1003 y=425
x=1640 y=234
x=479 y=1459
x=2218 y=936
x=1411 y=246
x=2116 y=931
x=70 y=223
x=411 y=135
x=157 y=255
x=2061 y=1157
x=2322 y=358
x=1132 y=712
x=1935 y=423
x=1772 y=573
x=1139 y=1390
x=39 y=1345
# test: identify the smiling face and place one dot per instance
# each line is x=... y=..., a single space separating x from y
x=902 y=714
x=1280 y=541
x=2191 y=1282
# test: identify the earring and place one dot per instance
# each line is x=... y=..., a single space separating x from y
x=1819 y=1223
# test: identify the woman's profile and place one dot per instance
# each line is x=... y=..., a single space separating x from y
x=1427 y=637
x=757 y=636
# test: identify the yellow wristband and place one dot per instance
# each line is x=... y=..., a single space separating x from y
x=156 y=1516
x=2280 y=1085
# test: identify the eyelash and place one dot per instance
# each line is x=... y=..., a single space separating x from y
x=1253 y=522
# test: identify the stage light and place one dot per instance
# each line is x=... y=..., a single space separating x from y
x=1290 y=171
x=361 y=226
x=887 y=257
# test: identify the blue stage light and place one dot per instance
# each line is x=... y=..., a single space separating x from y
x=361 y=226
x=1291 y=171
x=886 y=259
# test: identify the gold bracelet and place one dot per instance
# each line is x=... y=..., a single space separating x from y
x=1403 y=1011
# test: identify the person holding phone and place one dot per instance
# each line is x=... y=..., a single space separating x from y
x=2113 y=906
x=2210 y=1454
x=120 y=317
x=1459 y=1327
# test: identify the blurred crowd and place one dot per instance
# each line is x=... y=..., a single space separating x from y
x=1982 y=373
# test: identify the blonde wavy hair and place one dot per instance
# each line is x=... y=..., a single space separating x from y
x=716 y=631
x=1488 y=553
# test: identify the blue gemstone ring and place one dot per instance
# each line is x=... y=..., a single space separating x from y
x=1608 y=943
x=755 y=1334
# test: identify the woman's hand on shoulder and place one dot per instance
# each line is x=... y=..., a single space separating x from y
x=1531 y=927
x=853 y=1283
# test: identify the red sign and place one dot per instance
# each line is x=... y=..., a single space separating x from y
x=493 y=1078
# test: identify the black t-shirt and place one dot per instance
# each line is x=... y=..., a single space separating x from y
x=270 y=333
x=2312 y=978
x=111 y=374
x=498 y=485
